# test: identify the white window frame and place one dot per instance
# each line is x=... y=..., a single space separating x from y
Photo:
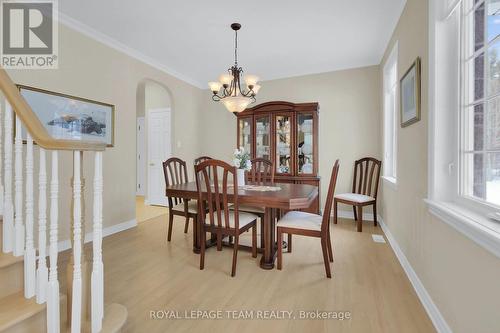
x=391 y=111
x=467 y=215
x=477 y=204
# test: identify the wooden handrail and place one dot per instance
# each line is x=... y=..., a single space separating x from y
x=33 y=125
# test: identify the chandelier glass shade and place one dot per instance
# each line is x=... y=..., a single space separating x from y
x=228 y=89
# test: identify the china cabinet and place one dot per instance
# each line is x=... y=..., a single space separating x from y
x=287 y=134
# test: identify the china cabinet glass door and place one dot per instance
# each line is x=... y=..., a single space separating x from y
x=305 y=144
x=284 y=160
x=263 y=137
x=245 y=134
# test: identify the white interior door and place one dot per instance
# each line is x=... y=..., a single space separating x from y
x=141 y=157
x=159 y=149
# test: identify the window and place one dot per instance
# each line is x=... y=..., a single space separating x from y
x=390 y=112
x=480 y=114
x=464 y=108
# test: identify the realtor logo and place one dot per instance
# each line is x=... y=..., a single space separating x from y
x=29 y=34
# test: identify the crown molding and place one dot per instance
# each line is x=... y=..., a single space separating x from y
x=133 y=53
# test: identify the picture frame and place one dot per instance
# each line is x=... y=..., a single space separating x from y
x=409 y=96
x=70 y=117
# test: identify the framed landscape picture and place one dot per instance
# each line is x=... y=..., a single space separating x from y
x=410 y=95
x=71 y=118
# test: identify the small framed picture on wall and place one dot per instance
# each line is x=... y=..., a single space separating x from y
x=410 y=95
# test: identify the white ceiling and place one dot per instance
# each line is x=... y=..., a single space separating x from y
x=279 y=38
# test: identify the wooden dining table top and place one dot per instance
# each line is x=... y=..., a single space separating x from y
x=289 y=196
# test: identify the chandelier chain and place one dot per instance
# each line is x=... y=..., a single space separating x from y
x=236 y=48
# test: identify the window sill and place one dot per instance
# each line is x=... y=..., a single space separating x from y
x=480 y=229
x=391 y=182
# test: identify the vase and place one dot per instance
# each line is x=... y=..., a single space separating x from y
x=241 y=177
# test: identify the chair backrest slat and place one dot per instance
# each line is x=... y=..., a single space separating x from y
x=366 y=176
x=203 y=159
x=215 y=193
x=175 y=172
x=261 y=172
x=329 y=197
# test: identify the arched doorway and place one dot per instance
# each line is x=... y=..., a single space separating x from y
x=154 y=134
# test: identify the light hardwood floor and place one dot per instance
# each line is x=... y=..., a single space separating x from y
x=145 y=273
x=145 y=212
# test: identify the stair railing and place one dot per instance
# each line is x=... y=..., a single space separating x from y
x=40 y=279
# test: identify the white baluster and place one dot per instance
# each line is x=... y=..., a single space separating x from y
x=53 y=285
x=42 y=272
x=1 y=183
x=18 y=181
x=29 y=254
x=76 y=306
x=8 y=211
x=97 y=280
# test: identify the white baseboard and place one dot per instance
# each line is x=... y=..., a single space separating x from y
x=66 y=244
x=432 y=310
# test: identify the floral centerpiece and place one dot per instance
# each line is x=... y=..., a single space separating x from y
x=241 y=160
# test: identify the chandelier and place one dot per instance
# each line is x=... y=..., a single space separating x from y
x=228 y=89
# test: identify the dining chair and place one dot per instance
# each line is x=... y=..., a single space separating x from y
x=260 y=174
x=364 y=190
x=175 y=172
x=202 y=159
x=216 y=196
x=312 y=225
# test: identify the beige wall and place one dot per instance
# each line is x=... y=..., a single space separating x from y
x=461 y=277
x=151 y=95
x=92 y=70
x=349 y=118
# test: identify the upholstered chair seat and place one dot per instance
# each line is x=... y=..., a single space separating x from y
x=355 y=197
x=244 y=219
x=192 y=207
x=301 y=220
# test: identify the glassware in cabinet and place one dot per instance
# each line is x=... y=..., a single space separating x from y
x=245 y=134
x=263 y=137
x=283 y=144
x=305 y=143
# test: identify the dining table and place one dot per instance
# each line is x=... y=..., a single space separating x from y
x=282 y=196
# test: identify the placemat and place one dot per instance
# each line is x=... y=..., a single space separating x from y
x=260 y=188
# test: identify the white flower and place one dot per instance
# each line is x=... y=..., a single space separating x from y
x=248 y=165
x=242 y=150
x=236 y=162
x=236 y=151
